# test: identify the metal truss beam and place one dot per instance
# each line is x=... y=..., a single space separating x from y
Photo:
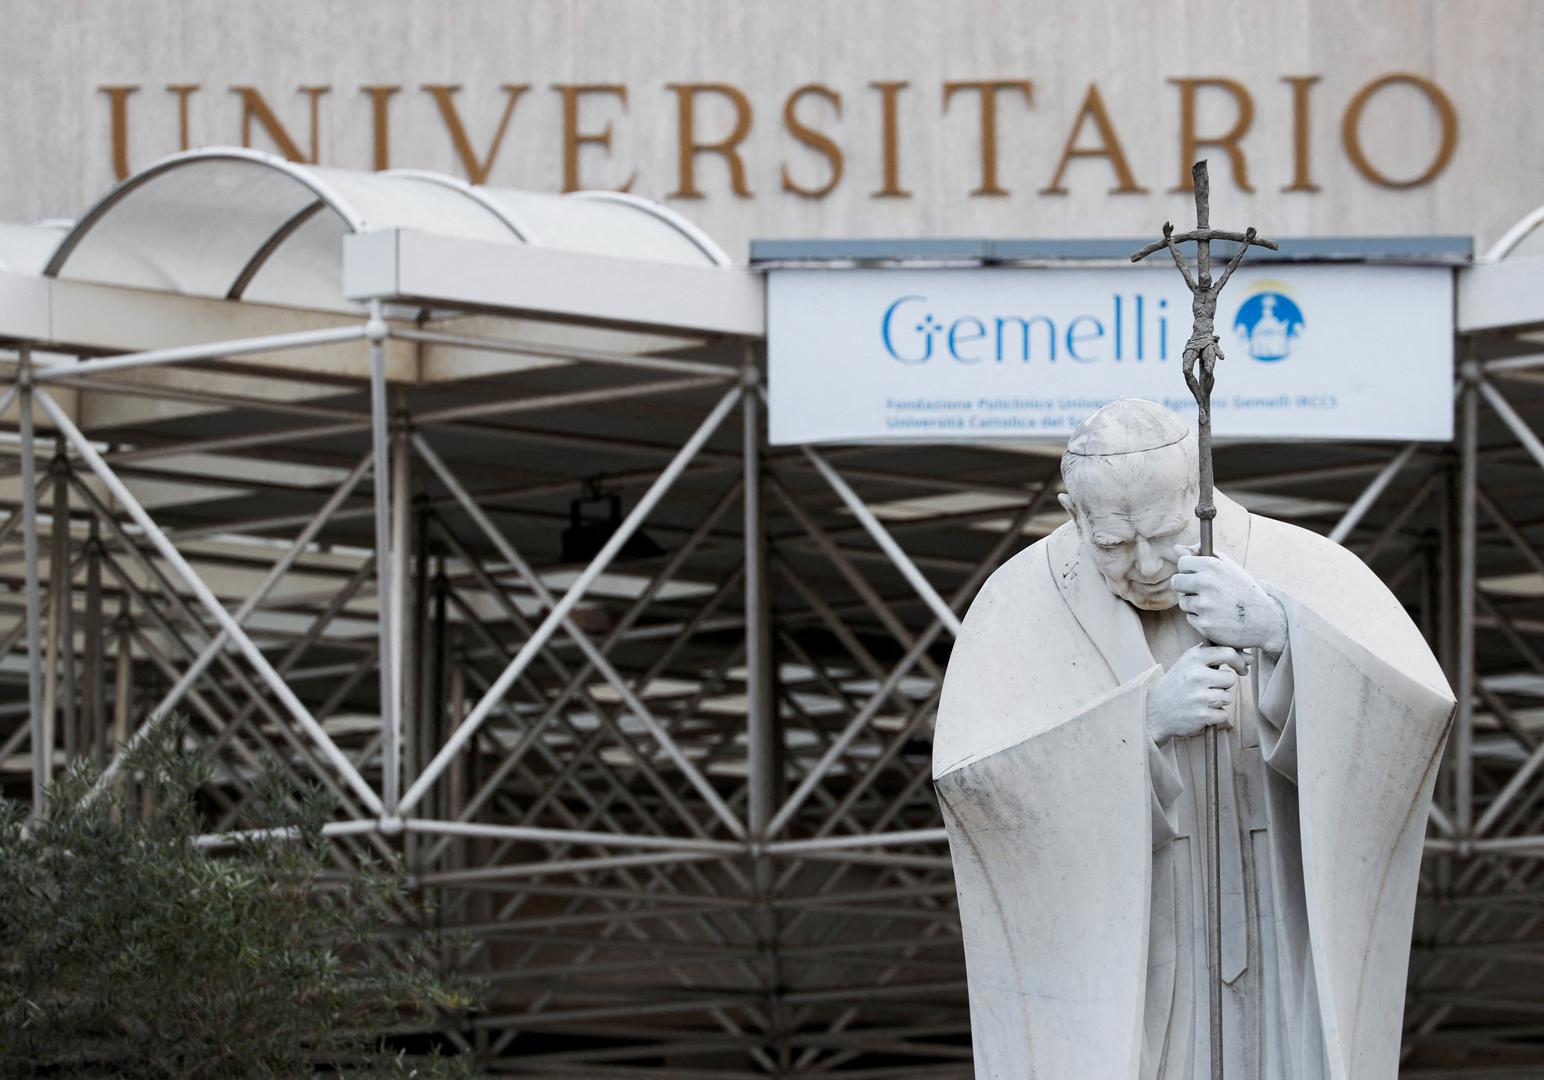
x=680 y=807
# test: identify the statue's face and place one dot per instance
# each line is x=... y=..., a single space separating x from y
x=1131 y=518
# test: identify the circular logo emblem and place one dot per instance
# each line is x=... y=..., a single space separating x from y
x=1270 y=322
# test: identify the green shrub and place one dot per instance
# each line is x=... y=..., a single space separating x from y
x=127 y=950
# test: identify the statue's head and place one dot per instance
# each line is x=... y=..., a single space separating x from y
x=1130 y=475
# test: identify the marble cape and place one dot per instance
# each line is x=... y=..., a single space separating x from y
x=1056 y=800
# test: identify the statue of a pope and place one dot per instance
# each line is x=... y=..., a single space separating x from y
x=1072 y=784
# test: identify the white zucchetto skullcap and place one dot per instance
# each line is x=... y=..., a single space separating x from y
x=1127 y=426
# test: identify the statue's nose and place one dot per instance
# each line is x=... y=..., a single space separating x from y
x=1149 y=561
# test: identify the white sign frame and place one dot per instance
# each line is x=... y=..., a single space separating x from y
x=1313 y=351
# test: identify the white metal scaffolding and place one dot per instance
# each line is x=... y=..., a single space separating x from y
x=305 y=474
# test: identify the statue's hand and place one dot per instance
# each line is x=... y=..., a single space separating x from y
x=1195 y=694
x=1228 y=606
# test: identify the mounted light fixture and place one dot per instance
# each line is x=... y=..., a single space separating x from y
x=587 y=534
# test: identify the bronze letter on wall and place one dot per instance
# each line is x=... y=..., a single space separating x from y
x=183 y=91
x=253 y=107
x=1109 y=147
x=688 y=147
x=1302 y=172
x=821 y=143
x=444 y=98
x=890 y=141
x=380 y=127
x=988 y=90
x=118 y=111
x=574 y=139
x=1351 y=130
x=1190 y=142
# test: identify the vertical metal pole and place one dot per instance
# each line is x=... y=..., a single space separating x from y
x=123 y=677
x=761 y=721
x=1468 y=513
x=64 y=607
x=380 y=435
x=405 y=612
x=436 y=652
x=451 y=715
x=95 y=721
x=761 y=733
x=51 y=643
x=433 y=706
x=42 y=750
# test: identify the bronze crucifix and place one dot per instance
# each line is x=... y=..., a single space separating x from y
x=1203 y=346
x=1203 y=350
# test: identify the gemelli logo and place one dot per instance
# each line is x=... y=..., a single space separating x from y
x=1269 y=322
x=1132 y=327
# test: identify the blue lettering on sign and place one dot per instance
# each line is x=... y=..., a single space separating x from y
x=912 y=333
x=1024 y=326
x=1075 y=338
x=925 y=328
x=976 y=332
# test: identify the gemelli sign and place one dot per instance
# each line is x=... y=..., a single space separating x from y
x=1312 y=351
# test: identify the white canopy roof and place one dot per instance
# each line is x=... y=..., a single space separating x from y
x=1505 y=289
x=239 y=224
x=26 y=249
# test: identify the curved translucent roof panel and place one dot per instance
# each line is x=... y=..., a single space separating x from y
x=1524 y=239
x=237 y=223
x=609 y=223
x=25 y=248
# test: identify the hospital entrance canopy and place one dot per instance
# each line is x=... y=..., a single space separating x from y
x=304 y=245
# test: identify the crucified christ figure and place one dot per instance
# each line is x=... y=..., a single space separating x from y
x=1203 y=344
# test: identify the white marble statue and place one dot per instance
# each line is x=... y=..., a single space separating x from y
x=1071 y=780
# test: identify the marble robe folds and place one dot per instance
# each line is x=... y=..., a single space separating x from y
x=1077 y=848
